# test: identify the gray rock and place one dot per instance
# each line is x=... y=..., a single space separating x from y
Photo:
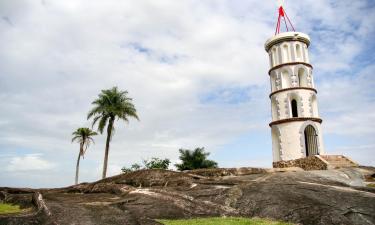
x=305 y=197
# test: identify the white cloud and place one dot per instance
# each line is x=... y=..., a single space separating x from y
x=31 y=162
x=57 y=55
x=348 y=102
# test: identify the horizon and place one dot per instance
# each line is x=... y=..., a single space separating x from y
x=197 y=73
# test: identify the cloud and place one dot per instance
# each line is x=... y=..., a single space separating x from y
x=31 y=162
x=197 y=72
x=348 y=101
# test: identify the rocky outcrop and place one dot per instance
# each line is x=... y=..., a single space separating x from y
x=305 y=197
x=318 y=162
x=220 y=172
x=308 y=163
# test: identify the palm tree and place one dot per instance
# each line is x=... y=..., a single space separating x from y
x=112 y=104
x=83 y=136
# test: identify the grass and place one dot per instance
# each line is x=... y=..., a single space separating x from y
x=8 y=208
x=371 y=185
x=223 y=221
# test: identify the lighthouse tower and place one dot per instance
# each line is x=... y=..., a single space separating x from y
x=296 y=125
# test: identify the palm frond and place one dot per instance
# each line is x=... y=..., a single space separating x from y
x=90 y=139
x=111 y=103
x=75 y=138
x=83 y=135
x=102 y=123
x=95 y=120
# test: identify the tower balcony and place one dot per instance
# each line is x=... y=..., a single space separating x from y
x=287 y=36
x=288 y=47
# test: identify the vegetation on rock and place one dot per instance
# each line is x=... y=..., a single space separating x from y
x=8 y=208
x=154 y=163
x=195 y=159
x=111 y=104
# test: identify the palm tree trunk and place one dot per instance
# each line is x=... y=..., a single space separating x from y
x=77 y=166
x=109 y=134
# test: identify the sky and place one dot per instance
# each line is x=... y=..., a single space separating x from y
x=197 y=73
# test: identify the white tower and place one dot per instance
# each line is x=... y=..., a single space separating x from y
x=296 y=130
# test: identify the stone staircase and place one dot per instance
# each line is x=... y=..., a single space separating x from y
x=337 y=161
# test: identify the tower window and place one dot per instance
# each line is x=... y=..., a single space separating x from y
x=302 y=77
x=298 y=51
x=286 y=79
x=274 y=57
x=286 y=53
x=306 y=55
x=294 y=108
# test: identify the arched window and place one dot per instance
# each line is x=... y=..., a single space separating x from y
x=298 y=52
x=294 y=108
x=306 y=55
x=302 y=77
x=274 y=57
x=271 y=60
x=286 y=54
x=286 y=83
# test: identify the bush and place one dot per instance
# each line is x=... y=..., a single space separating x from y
x=8 y=208
x=132 y=168
x=154 y=163
x=196 y=159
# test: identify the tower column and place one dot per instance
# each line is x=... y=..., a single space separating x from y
x=296 y=125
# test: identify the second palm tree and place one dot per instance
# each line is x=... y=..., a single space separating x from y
x=83 y=136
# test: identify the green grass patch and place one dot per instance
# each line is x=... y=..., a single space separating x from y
x=8 y=208
x=371 y=185
x=223 y=221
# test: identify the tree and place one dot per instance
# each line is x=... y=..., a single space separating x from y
x=83 y=136
x=156 y=163
x=111 y=104
x=196 y=159
x=132 y=168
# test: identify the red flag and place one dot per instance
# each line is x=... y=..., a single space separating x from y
x=281 y=11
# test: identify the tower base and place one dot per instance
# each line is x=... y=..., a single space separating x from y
x=318 y=162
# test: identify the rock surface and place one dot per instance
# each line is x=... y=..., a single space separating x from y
x=305 y=197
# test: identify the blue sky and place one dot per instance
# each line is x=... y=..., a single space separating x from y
x=197 y=71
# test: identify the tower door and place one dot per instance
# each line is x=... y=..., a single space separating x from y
x=311 y=141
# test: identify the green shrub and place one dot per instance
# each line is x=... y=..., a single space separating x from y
x=132 y=168
x=154 y=163
x=196 y=159
x=8 y=208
